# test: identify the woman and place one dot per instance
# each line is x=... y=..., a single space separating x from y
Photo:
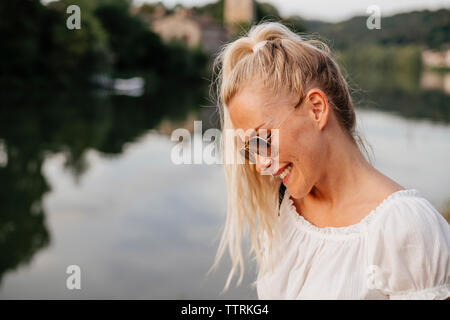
x=324 y=223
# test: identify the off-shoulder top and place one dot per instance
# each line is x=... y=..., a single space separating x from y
x=400 y=250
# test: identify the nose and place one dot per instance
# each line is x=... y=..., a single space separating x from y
x=262 y=163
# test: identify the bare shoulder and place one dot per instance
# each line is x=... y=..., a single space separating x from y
x=373 y=194
x=382 y=186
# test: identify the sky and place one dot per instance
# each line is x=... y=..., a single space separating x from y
x=332 y=10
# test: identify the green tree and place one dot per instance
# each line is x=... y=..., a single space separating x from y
x=37 y=47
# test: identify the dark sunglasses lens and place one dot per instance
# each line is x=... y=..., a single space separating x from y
x=244 y=153
x=247 y=155
x=259 y=146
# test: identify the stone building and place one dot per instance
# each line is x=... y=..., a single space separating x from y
x=201 y=30
x=239 y=11
x=193 y=30
x=437 y=59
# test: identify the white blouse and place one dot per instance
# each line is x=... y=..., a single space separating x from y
x=400 y=250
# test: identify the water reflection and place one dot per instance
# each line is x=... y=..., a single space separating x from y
x=403 y=88
x=436 y=81
x=34 y=125
x=22 y=220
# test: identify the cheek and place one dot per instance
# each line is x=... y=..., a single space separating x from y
x=302 y=148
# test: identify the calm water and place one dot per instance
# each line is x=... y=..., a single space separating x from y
x=88 y=180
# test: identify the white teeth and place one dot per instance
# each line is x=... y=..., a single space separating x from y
x=286 y=172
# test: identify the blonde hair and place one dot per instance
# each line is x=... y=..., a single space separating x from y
x=286 y=64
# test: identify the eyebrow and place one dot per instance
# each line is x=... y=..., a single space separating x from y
x=255 y=130
x=258 y=127
x=268 y=122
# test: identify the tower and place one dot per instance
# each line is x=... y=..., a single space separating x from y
x=239 y=11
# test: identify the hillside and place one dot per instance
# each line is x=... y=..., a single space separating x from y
x=428 y=28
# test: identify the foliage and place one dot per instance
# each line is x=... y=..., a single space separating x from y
x=214 y=10
x=36 y=45
x=427 y=28
x=39 y=50
x=133 y=45
x=378 y=67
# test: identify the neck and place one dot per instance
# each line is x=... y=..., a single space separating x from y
x=345 y=174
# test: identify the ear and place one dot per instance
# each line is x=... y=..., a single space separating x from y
x=320 y=108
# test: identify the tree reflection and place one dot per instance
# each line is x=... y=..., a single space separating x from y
x=34 y=124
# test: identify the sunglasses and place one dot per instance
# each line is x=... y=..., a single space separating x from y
x=260 y=145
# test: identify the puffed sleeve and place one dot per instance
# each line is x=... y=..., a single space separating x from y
x=409 y=251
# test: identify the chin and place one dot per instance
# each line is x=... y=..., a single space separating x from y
x=294 y=184
x=294 y=192
x=297 y=193
x=296 y=188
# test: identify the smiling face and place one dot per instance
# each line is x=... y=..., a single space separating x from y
x=302 y=148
